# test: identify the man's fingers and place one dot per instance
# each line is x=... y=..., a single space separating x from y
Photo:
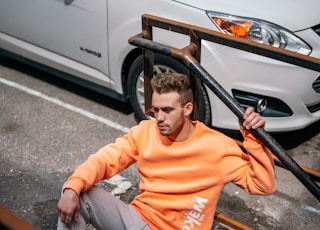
x=65 y=216
x=76 y=215
x=252 y=120
x=68 y=220
x=248 y=112
x=249 y=121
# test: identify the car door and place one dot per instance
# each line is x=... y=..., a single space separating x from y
x=69 y=35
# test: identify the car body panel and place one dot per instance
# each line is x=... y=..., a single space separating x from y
x=60 y=31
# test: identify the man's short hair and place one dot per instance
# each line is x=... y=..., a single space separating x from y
x=173 y=82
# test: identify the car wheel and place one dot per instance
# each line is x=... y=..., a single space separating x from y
x=162 y=64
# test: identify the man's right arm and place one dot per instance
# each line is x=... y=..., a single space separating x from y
x=108 y=161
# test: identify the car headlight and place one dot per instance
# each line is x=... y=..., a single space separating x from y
x=259 y=31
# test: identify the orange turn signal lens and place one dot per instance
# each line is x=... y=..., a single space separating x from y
x=236 y=28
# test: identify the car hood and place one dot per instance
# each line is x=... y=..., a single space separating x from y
x=292 y=15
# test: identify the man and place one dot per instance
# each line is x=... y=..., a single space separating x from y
x=183 y=166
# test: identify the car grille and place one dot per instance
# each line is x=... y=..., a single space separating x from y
x=317 y=29
x=316 y=85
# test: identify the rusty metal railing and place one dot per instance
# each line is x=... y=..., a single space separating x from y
x=190 y=56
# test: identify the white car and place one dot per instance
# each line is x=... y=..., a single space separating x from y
x=87 y=42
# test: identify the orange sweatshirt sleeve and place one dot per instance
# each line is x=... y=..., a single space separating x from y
x=107 y=162
x=258 y=174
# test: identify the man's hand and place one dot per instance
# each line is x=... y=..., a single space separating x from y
x=252 y=120
x=68 y=207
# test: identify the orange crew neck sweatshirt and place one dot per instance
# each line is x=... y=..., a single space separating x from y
x=180 y=182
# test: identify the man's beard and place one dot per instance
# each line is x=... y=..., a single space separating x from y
x=169 y=130
x=166 y=131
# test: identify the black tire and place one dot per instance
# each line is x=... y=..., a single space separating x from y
x=162 y=63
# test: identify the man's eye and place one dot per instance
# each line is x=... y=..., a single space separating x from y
x=167 y=110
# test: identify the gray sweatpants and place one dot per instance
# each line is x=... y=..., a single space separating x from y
x=104 y=211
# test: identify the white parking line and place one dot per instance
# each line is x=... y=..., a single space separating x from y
x=70 y=107
x=310 y=208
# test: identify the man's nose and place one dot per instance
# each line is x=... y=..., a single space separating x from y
x=160 y=116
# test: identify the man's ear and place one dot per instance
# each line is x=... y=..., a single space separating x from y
x=188 y=108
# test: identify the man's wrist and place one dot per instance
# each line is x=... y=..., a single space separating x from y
x=70 y=192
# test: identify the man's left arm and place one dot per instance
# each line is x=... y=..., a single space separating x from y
x=262 y=172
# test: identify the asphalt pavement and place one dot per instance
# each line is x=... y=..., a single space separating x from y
x=49 y=126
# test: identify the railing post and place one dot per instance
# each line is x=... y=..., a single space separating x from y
x=148 y=62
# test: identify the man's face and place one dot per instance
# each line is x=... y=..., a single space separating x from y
x=168 y=112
